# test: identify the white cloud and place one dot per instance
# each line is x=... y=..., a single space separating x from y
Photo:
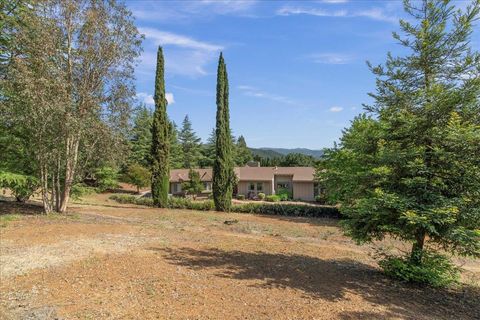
x=184 y=55
x=336 y=109
x=287 y=11
x=330 y=58
x=148 y=98
x=373 y=13
x=255 y=92
x=169 y=97
x=167 y=38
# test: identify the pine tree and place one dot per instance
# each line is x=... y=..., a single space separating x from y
x=209 y=151
x=141 y=137
x=190 y=145
x=161 y=130
x=411 y=170
x=223 y=173
x=175 y=148
x=242 y=153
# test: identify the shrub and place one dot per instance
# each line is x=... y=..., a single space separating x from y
x=320 y=199
x=107 y=178
x=298 y=210
x=240 y=196
x=80 y=190
x=261 y=196
x=22 y=186
x=138 y=176
x=435 y=270
x=284 y=194
x=272 y=198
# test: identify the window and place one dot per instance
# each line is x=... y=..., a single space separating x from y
x=283 y=185
x=177 y=187
x=207 y=186
x=251 y=186
x=260 y=186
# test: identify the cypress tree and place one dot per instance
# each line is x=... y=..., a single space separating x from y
x=223 y=174
x=161 y=130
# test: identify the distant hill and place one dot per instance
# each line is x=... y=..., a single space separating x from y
x=279 y=152
x=266 y=153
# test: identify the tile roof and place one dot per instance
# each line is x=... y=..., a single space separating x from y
x=250 y=173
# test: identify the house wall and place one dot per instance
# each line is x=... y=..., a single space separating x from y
x=303 y=191
x=243 y=187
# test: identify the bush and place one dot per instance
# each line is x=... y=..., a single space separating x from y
x=107 y=178
x=272 y=198
x=261 y=196
x=436 y=270
x=138 y=176
x=22 y=186
x=320 y=199
x=296 y=210
x=240 y=197
x=284 y=194
x=80 y=190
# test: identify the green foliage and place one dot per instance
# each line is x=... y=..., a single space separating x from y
x=190 y=145
x=284 y=194
x=137 y=175
x=320 y=198
x=261 y=196
x=435 y=270
x=272 y=198
x=106 y=179
x=80 y=190
x=411 y=169
x=297 y=160
x=141 y=137
x=22 y=186
x=240 y=197
x=161 y=132
x=194 y=185
x=297 y=210
x=242 y=153
x=223 y=174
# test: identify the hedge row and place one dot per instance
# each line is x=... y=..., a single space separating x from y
x=280 y=209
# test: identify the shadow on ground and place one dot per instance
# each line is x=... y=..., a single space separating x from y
x=331 y=280
x=23 y=208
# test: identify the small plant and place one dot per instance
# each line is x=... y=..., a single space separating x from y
x=194 y=185
x=435 y=269
x=284 y=194
x=137 y=175
x=261 y=196
x=320 y=199
x=272 y=198
x=240 y=197
x=107 y=178
x=80 y=190
x=22 y=186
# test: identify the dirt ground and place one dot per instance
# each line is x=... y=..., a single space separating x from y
x=106 y=260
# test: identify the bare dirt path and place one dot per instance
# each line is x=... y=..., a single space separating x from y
x=109 y=261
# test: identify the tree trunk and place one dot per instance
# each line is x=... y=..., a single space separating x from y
x=417 y=248
x=72 y=154
x=44 y=181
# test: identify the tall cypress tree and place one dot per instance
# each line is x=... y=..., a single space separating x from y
x=161 y=130
x=223 y=174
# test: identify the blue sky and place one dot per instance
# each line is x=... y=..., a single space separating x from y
x=296 y=69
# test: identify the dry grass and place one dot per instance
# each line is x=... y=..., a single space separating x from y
x=111 y=261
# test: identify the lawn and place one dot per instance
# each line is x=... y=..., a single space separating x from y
x=114 y=261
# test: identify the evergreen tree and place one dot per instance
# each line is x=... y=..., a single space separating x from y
x=190 y=145
x=209 y=151
x=223 y=173
x=242 y=153
x=141 y=137
x=194 y=184
x=161 y=130
x=412 y=170
x=175 y=148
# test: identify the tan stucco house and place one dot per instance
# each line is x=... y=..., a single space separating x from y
x=253 y=180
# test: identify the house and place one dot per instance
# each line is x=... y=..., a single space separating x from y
x=251 y=180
